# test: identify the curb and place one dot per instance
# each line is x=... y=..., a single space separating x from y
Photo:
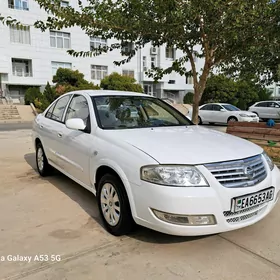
x=15 y=122
x=33 y=109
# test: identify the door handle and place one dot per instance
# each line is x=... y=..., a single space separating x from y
x=59 y=135
x=41 y=126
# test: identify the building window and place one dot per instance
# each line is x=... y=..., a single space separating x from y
x=22 y=67
x=170 y=53
x=153 y=61
x=20 y=35
x=99 y=72
x=127 y=48
x=96 y=42
x=145 y=68
x=60 y=40
x=18 y=4
x=148 y=89
x=64 y=4
x=129 y=73
x=56 y=65
x=189 y=80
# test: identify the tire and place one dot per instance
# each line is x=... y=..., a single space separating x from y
x=42 y=163
x=199 y=120
x=232 y=119
x=211 y=123
x=118 y=220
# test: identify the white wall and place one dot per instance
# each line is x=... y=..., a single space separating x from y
x=42 y=54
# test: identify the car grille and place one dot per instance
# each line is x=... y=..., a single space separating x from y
x=244 y=215
x=239 y=173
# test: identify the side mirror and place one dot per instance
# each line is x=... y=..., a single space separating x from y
x=75 y=124
x=223 y=110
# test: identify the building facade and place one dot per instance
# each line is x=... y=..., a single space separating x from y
x=29 y=57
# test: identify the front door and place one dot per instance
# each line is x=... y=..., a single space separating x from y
x=78 y=145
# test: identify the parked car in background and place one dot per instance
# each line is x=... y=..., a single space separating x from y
x=148 y=164
x=223 y=113
x=266 y=109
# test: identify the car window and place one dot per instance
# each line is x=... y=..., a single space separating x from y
x=272 y=105
x=116 y=112
x=59 y=108
x=216 y=107
x=262 y=104
x=208 y=107
x=50 y=111
x=78 y=108
x=230 y=107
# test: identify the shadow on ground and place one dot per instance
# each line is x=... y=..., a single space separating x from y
x=88 y=203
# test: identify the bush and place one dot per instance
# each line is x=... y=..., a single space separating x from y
x=115 y=81
x=68 y=80
x=49 y=93
x=31 y=94
x=41 y=103
x=188 y=98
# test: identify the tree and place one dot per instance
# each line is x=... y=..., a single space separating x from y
x=241 y=93
x=217 y=31
x=116 y=81
x=69 y=80
x=188 y=98
x=49 y=93
x=31 y=94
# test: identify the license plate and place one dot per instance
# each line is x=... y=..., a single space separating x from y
x=247 y=201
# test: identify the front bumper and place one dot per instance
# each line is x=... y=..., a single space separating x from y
x=214 y=200
x=249 y=119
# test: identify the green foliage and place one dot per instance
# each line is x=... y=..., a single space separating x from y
x=69 y=80
x=31 y=94
x=241 y=93
x=49 y=93
x=188 y=98
x=116 y=81
x=41 y=103
x=227 y=31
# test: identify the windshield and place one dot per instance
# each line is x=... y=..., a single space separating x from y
x=230 y=107
x=116 y=112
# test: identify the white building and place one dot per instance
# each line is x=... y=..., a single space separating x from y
x=30 y=57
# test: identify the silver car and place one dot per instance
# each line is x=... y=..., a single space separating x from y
x=266 y=109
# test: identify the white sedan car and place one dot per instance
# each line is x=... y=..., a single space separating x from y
x=223 y=113
x=148 y=164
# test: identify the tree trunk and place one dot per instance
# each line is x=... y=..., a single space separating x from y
x=199 y=87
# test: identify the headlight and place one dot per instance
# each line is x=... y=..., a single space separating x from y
x=177 y=176
x=243 y=115
x=268 y=160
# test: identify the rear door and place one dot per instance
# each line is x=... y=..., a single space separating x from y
x=51 y=128
x=273 y=110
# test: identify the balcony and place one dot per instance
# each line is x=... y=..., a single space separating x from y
x=18 y=5
x=22 y=67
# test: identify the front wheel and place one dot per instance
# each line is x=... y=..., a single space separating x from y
x=114 y=205
x=199 y=120
x=232 y=119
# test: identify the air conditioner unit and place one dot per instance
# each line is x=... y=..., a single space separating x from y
x=153 y=50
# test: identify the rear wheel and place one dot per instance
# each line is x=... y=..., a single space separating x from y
x=43 y=166
x=114 y=205
x=232 y=119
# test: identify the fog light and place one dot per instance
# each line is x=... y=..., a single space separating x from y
x=188 y=220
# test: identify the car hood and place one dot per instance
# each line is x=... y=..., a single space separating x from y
x=245 y=112
x=187 y=145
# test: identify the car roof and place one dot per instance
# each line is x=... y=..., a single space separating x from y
x=110 y=92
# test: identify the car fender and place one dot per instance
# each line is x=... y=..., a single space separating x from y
x=113 y=165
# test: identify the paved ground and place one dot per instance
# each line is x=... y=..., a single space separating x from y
x=55 y=217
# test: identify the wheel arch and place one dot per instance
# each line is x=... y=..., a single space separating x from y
x=234 y=117
x=111 y=168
